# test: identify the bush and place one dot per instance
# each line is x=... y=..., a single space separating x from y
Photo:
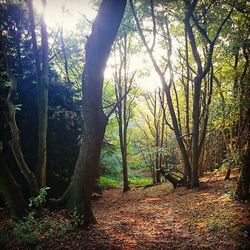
x=30 y=230
x=37 y=202
x=24 y=230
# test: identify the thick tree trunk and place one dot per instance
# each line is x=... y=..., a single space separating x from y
x=78 y=195
x=10 y=190
x=243 y=185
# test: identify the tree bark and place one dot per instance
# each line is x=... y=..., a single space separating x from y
x=15 y=136
x=78 y=195
x=243 y=185
x=43 y=106
x=10 y=190
x=242 y=189
x=122 y=113
x=42 y=71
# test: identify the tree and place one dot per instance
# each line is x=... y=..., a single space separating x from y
x=155 y=125
x=77 y=197
x=14 y=76
x=243 y=185
x=9 y=189
x=203 y=67
x=124 y=98
x=42 y=71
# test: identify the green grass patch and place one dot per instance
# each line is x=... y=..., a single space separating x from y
x=108 y=181
x=138 y=181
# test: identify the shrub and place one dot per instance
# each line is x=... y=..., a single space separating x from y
x=38 y=201
x=24 y=230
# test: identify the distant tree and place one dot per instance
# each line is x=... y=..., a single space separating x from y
x=155 y=124
x=124 y=97
x=203 y=62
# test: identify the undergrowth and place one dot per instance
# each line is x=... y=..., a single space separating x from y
x=138 y=181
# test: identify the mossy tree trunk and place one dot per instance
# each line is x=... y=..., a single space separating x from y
x=243 y=185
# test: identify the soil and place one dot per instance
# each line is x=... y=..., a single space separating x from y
x=157 y=217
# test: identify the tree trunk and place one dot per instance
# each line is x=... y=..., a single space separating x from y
x=43 y=106
x=125 y=171
x=195 y=132
x=15 y=137
x=10 y=190
x=184 y=153
x=166 y=88
x=125 y=123
x=78 y=195
x=243 y=185
x=42 y=70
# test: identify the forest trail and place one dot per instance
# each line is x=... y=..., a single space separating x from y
x=159 y=217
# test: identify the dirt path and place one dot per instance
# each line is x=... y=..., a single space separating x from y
x=162 y=218
x=159 y=218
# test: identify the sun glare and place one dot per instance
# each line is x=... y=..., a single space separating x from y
x=146 y=78
x=66 y=12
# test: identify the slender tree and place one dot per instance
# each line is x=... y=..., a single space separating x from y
x=191 y=164
x=123 y=84
x=42 y=71
x=11 y=118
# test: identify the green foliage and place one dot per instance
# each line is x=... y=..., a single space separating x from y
x=231 y=161
x=229 y=190
x=108 y=181
x=24 y=230
x=75 y=222
x=230 y=194
x=29 y=230
x=215 y=226
x=38 y=201
x=61 y=229
x=224 y=166
x=138 y=181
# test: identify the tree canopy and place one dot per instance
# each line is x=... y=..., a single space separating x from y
x=121 y=94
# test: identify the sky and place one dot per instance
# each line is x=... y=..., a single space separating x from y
x=66 y=12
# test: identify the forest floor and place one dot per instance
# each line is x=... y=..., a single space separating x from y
x=157 y=217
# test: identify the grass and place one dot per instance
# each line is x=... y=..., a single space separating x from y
x=138 y=181
x=134 y=181
x=108 y=181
